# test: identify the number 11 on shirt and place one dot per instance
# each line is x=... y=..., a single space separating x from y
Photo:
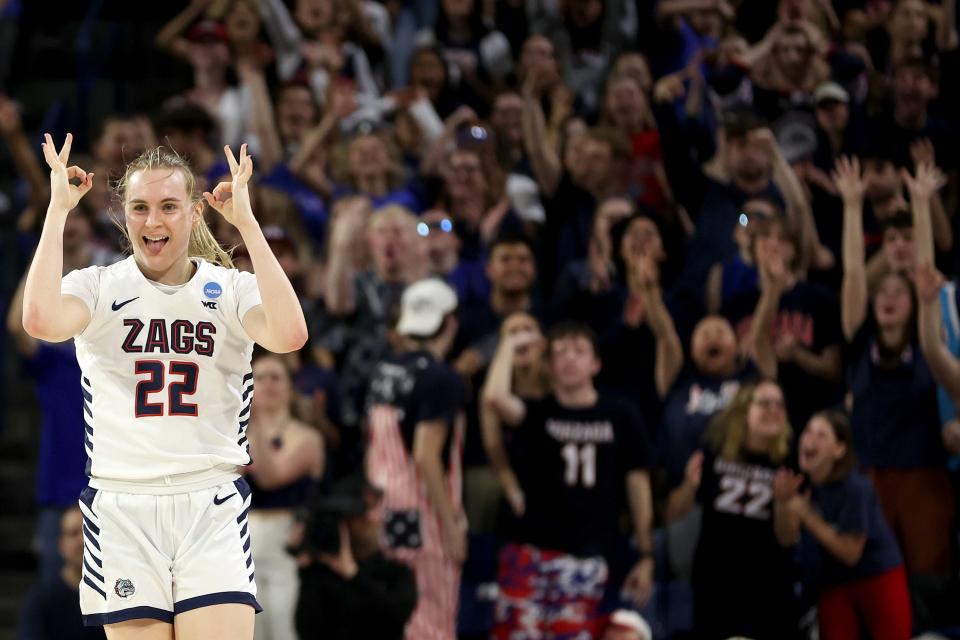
x=581 y=465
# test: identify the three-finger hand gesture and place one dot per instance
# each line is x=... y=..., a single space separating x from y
x=64 y=196
x=232 y=199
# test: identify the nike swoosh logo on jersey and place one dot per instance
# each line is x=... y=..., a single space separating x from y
x=217 y=500
x=119 y=305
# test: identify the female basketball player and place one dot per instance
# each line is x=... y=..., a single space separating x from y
x=164 y=340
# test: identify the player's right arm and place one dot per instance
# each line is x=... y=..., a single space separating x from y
x=48 y=314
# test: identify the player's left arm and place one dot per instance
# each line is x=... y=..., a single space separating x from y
x=277 y=323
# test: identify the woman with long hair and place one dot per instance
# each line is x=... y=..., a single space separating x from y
x=164 y=340
x=741 y=569
x=893 y=389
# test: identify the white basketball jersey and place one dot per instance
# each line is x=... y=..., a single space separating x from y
x=167 y=382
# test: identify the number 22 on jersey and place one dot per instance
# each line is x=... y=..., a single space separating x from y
x=177 y=377
x=734 y=488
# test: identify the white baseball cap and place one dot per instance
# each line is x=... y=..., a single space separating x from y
x=424 y=305
x=830 y=90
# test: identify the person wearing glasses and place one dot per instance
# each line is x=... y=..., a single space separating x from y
x=742 y=565
x=467 y=276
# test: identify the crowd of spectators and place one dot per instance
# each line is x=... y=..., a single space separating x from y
x=616 y=307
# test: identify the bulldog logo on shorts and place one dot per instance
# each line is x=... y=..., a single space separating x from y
x=124 y=588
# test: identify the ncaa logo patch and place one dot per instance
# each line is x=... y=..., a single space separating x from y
x=212 y=289
x=124 y=588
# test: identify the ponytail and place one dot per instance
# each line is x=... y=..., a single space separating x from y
x=204 y=245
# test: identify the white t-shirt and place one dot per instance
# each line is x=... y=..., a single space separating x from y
x=166 y=376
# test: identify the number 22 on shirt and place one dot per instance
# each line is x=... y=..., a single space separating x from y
x=748 y=497
x=179 y=383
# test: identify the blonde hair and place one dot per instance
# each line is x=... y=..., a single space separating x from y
x=727 y=433
x=202 y=242
x=393 y=213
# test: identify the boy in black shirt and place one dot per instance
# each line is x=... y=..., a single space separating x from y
x=581 y=453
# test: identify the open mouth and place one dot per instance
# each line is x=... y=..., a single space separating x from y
x=155 y=244
x=714 y=352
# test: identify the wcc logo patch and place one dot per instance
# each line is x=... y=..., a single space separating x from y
x=124 y=588
x=212 y=290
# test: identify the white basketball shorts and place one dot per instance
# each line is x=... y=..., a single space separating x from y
x=154 y=556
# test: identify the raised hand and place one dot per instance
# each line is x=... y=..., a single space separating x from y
x=232 y=199
x=520 y=340
x=773 y=272
x=462 y=115
x=925 y=183
x=669 y=88
x=848 y=179
x=645 y=271
x=928 y=282
x=765 y=137
x=350 y=218
x=64 y=196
